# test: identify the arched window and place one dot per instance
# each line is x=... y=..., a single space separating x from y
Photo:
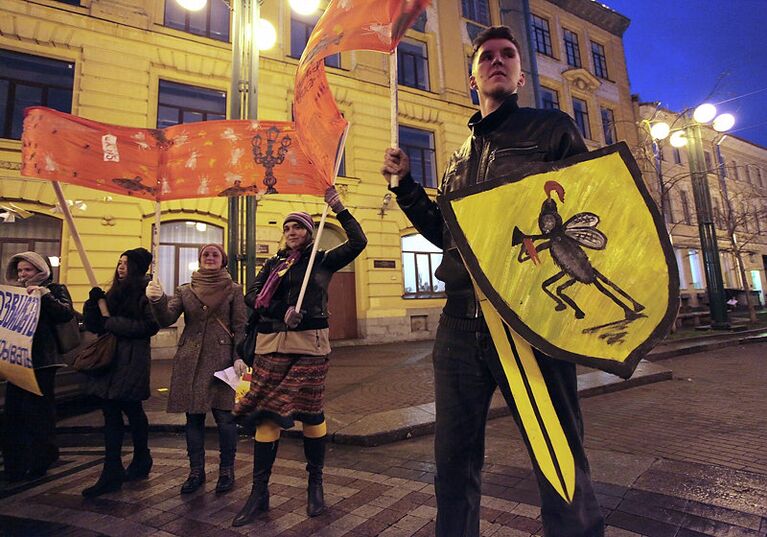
x=420 y=260
x=179 y=243
x=38 y=233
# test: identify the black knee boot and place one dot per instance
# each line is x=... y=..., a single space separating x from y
x=110 y=480
x=264 y=454
x=314 y=450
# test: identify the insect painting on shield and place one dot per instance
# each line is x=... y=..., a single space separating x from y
x=593 y=279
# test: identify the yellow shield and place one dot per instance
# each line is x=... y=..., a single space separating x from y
x=574 y=257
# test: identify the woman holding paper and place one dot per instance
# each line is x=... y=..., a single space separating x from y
x=29 y=439
x=214 y=315
x=123 y=387
x=292 y=348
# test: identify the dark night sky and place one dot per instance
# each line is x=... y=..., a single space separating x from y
x=685 y=52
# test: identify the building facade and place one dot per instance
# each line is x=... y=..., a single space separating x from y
x=143 y=63
x=736 y=171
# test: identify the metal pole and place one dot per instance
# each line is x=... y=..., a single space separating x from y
x=706 y=229
x=251 y=203
x=235 y=112
x=661 y=186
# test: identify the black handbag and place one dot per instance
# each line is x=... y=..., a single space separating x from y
x=247 y=347
x=67 y=335
x=96 y=357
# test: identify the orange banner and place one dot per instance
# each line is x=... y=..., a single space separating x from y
x=191 y=160
x=376 y=25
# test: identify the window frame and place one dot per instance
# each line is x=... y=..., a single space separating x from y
x=608 y=127
x=181 y=109
x=422 y=61
x=542 y=35
x=476 y=12
x=334 y=60
x=582 y=115
x=555 y=102
x=177 y=246
x=599 y=57
x=572 y=48
x=209 y=7
x=685 y=203
x=406 y=147
x=432 y=266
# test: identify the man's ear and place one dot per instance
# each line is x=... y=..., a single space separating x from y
x=521 y=81
x=472 y=82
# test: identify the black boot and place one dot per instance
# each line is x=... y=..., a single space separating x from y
x=225 y=479
x=264 y=454
x=110 y=480
x=314 y=450
x=140 y=466
x=196 y=473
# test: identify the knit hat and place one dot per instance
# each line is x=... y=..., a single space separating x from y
x=302 y=219
x=35 y=259
x=140 y=257
x=217 y=247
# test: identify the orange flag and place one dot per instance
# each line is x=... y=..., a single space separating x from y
x=346 y=25
x=191 y=160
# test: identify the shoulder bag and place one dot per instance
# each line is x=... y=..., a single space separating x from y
x=96 y=357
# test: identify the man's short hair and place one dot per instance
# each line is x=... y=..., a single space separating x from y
x=492 y=32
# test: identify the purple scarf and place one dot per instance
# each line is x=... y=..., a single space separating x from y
x=264 y=297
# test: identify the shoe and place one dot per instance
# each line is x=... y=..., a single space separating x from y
x=195 y=480
x=139 y=467
x=110 y=480
x=264 y=454
x=314 y=450
x=225 y=481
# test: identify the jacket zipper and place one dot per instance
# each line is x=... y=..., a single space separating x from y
x=497 y=152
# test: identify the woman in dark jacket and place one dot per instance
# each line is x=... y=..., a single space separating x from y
x=29 y=439
x=292 y=351
x=214 y=317
x=126 y=383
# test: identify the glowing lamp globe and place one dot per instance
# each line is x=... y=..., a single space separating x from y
x=724 y=122
x=704 y=113
x=305 y=7
x=266 y=35
x=659 y=131
x=192 y=5
x=678 y=139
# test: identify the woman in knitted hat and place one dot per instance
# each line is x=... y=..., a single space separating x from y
x=123 y=387
x=292 y=348
x=214 y=316
x=29 y=438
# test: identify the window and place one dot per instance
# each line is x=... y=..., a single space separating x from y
x=542 y=36
x=549 y=98
x=680 y=268
x=760 y=177
x=677 y=155
x=179 y=244
x=686 y=218
x=413 y=64
x=572 y=50
x=420 y=260
x=661 y=153
x=709 y=164
x=600 y=61
x=747 y=169
x=180 y=103
x=27 y=80
x=211 y=21
x=734 y=168
x=301 y=27
x=608 y=126
x=39 y=233
x=581 y=111
x=419 y=146
x=476 y=10
x=696 y=270
x=472 y=92
x=718 y=215
x=420 y=22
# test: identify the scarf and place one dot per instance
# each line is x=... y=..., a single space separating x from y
x=275 y=277
x=212 y=287
x=34 y=259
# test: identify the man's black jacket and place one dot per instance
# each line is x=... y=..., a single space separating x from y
x=505 y=142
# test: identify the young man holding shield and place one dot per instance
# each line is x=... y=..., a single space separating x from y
x=506 y=139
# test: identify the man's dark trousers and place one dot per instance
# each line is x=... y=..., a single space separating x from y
x=466 y=366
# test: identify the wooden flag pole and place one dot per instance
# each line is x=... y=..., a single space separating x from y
x=394 y=108
x=316 y=244
x=156 y=240
x=78 y=242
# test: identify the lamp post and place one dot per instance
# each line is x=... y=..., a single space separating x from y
x=690 y=135
x=250 y=34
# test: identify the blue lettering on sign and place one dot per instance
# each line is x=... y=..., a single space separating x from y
x=15 y=354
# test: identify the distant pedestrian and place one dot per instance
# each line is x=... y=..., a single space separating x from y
x=292 y=351
x=29 y=438
x=214 y=315
x=124 y=386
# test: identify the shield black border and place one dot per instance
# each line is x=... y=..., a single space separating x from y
x=623 y=369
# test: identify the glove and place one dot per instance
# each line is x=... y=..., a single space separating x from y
x=239 y=367
x=333 y=198
x=96 y=294
x=154 y=291
x=293 y=317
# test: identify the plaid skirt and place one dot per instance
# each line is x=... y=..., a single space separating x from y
x=285 y=388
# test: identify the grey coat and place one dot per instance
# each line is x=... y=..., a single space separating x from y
x=205 y=347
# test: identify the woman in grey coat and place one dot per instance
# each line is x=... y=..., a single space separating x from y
x=126 y=383
x=214 y=316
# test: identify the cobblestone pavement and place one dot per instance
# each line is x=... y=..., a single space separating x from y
x=684 y=458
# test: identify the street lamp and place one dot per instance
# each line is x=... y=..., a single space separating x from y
x=690 y=135
x=250 y=34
